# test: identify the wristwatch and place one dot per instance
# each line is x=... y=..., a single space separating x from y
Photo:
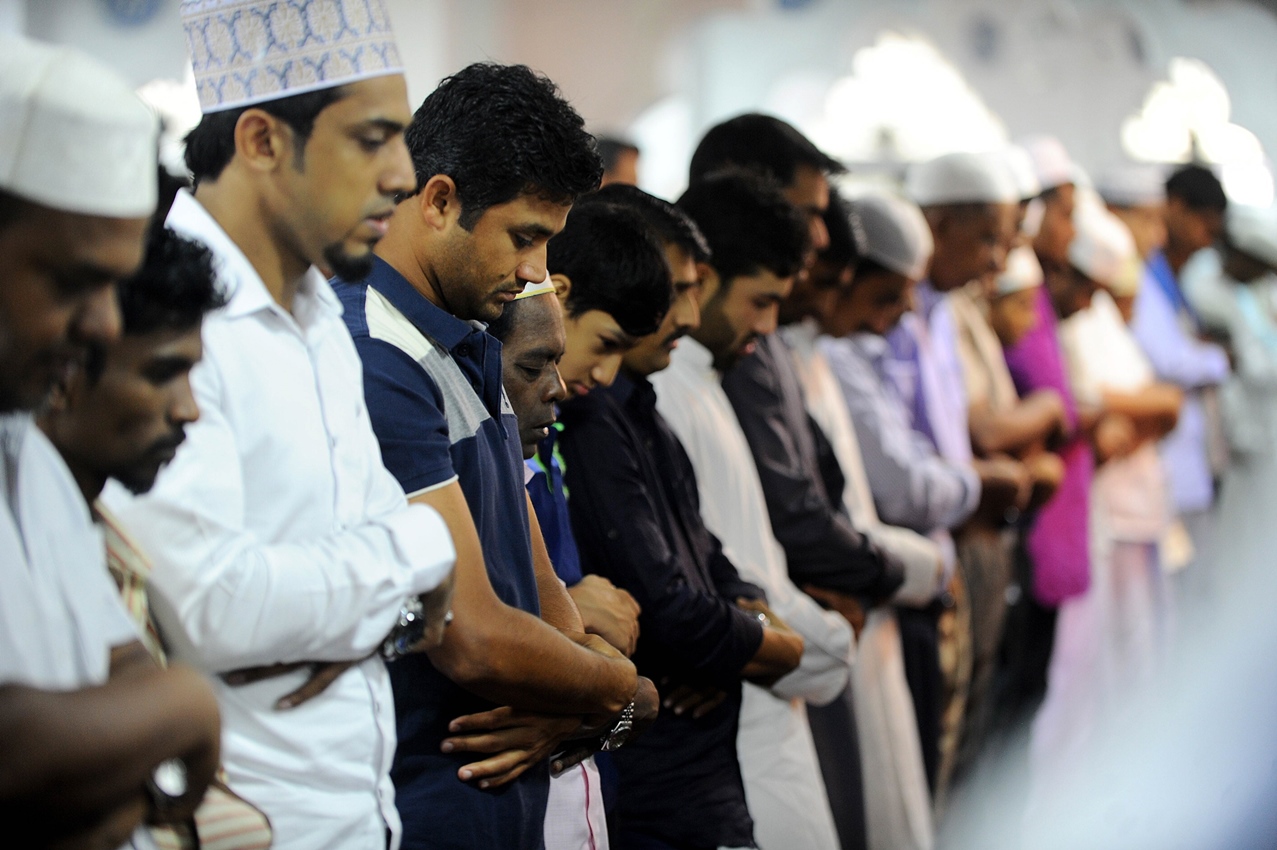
x=168 y=784
x=620 y=733
x=407 y=632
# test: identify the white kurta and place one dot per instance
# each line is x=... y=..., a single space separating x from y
x=783 y=784
x=278 y=536
x=60 y=614
x=897 y=801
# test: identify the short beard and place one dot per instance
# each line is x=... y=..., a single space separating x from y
x=345 y=266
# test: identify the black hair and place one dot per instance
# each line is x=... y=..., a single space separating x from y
x=501 y=326
x=1198 y=187
x=867 y=267
x=748 y=224
x=501 y=131
x=667 y=222
x=12 y=208
x=173 y=290
x=615 y=265
x=759 y=143
x=841 y=222
x=211 y=145
x=611 y=148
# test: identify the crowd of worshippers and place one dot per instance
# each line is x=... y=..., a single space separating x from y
x=477 y=506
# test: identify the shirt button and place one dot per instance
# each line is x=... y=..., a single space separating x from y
x=611 y=534
x=463 y=350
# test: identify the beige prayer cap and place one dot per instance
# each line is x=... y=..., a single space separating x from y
x=1023 y=272
x=73 y=135
x=245 y=52
x=1133 y=185
x=1103 y=248
x=1253 y=231
x=896 y=236
x=962 y=178
x=1022 y=172
x=1051 y=162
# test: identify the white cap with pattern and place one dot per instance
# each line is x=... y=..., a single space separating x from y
x=73 y=135
x=1133 y=184
x=253 y=51
x=1051 y=162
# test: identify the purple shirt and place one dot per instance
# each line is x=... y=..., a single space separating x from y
x=1058 y=542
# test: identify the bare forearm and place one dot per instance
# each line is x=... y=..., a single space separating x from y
x=515 y=659
x=780 y=652
x=71 y=758
x=1013 y=431
x=1154 y=411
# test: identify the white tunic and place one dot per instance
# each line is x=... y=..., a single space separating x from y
x=783 y=784
x=60 y=614
x=279 y=536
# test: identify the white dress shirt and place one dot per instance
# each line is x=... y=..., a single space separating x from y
x=279 y=536
x=783 y=784
x=60 y=614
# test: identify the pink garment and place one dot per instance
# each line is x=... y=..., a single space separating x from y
x=1057 y=542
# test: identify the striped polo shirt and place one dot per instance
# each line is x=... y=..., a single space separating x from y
x=433 y=387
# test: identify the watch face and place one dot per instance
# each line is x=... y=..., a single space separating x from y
x=170 y=778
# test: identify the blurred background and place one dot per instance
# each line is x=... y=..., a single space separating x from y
x=877 y=83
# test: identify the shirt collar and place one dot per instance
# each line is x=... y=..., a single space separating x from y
x=629 y=390
x=247 y=293
x=928 y=298
x=692 y=355
x=869 y=346
x=433 y=321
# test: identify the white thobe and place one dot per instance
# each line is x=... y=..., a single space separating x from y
x=783 y=784
x=897 y=801
x=60 y=614
x=278 y=536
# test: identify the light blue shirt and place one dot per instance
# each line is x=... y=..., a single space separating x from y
x=912 y=484
x=1164 y=330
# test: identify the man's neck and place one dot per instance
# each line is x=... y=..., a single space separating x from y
x=1177 y=256
x=232 y=206
x=89 y=482
x=400 y=249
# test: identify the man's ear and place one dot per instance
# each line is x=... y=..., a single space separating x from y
x=711 y=283
x=262 y=141
x=438 y=203
x=562 y=289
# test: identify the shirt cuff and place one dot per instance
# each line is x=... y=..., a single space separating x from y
x=424 y=544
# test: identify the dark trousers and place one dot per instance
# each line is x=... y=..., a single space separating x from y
x=833 y=728
x=919 y=644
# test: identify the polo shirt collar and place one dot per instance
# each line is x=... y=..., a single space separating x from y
x=433 y=321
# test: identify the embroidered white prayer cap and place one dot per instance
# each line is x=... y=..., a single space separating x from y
x=253 y=51
x=1253 y=231
x=1103 y=248
x=1022 y=172
x=1051 y=162
x=962 y=178
x=73 y=135
x=1023 y=272
x=1133 y=184
x=896 y=236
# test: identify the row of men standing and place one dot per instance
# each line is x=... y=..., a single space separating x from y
x=764 y=498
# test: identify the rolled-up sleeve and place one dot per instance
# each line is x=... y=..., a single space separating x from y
x=226 y=599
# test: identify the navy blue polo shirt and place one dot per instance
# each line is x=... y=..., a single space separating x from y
x=433 y=387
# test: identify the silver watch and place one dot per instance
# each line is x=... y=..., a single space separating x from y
x=620 y=733
x=407 y=632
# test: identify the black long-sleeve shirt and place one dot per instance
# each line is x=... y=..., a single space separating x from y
x=636 y=517
x=821 y=545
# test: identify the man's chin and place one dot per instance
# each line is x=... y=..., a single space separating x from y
x=348 y=266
